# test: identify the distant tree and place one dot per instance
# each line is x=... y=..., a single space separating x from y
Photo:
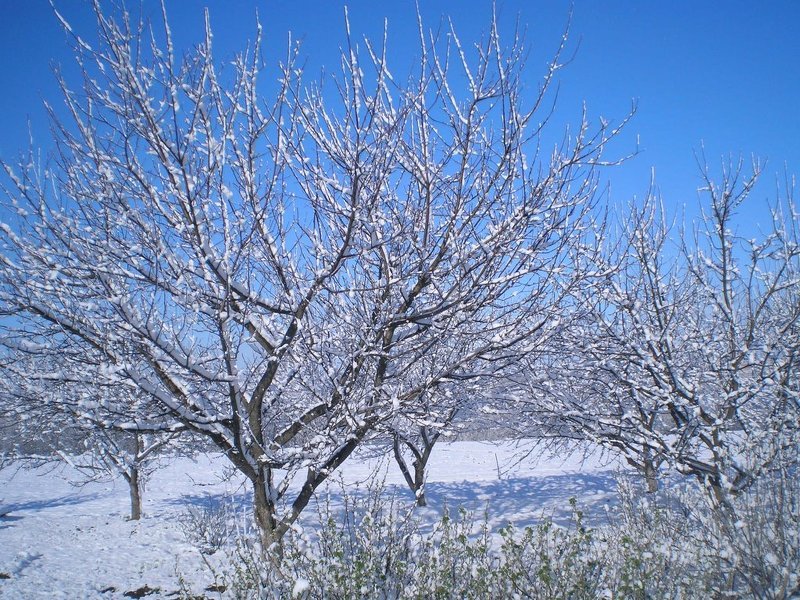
x=415 y=435
x=102 y=431
x=687 y=352
x=270 y=270
x=130 y=454
x=470 y=407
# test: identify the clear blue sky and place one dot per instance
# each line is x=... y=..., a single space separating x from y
x=724 y=74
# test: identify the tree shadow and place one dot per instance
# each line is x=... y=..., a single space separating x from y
x=211 y=501
x=527 y=500
x=523 y=501
x=7 y=520
x=36 y=505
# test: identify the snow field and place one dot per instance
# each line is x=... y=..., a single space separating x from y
x=63 y=541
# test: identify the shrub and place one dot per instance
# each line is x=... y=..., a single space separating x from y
x=672 y=545
x=208 y=527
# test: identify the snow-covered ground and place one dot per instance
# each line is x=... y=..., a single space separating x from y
x=62 y=541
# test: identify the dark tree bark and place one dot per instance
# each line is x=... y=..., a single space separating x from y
x=134 y=487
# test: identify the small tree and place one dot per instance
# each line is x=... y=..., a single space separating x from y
x=417 y=435
x=270 y=271
x=102 y=431
x=131 y=455
x=472 y=407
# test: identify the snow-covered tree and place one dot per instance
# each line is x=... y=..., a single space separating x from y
x=132 y=455
x=102 y=431
x=414 y=435
x=686 y=352
x=470 y=407
x=269 y=265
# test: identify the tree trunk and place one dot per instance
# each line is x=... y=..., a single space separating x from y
x=135 y=489
x=420 y=463
x=647 y=467
x=414 y=483
x=419 y=482
x=264 y=513
x=651 y=476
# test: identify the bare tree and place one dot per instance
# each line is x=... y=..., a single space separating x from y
x=271 y=270
x=102 y=431
x=414 y=435
x=687 y=352
x=133 y=455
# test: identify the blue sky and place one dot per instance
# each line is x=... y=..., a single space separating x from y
x=722 y=74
